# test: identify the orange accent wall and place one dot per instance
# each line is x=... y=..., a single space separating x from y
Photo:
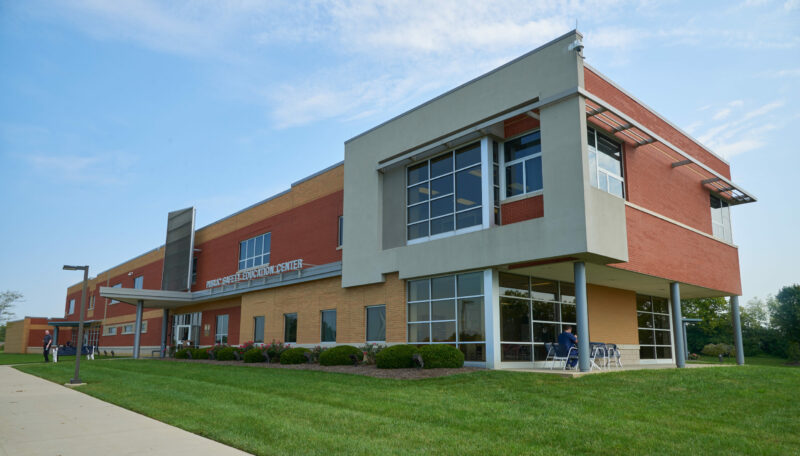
x=612 y=315
x=662 y=249
x=524 y=209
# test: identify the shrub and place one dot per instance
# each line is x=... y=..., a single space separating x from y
x=295 y=355
x=199 y=353
x=339 y=355
x=436 y=356
x=243 y=348
x=694 y=356
x=717 y=349
x=317 y=352
x=183 y=353
x=396 y=356
x=274 y=350
x=225 y=354
x=254 y=355
x=371 y=351
x=793 y=352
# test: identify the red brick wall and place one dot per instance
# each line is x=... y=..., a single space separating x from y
x=210 y=318
x=519 y=124
x=150 y=338
x=601 y=88
x=659 y=248
x=524 y=209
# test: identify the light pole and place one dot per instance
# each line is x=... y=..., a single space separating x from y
x=85 y=270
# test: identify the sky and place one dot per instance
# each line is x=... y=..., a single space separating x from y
x=114 y=113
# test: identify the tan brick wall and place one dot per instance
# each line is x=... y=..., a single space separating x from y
x=16 y=336
x=310 y=298
x=612 y=315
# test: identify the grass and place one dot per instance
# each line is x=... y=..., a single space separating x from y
x=28 y=358
x=736 y=410
x=761 y=360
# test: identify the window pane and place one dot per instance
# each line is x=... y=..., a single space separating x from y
x=443 y=287
x=590 y=136
x=660 y=305
x=602 y=181
x=609 y=163
x=376 y=323
x=418 y=212
x=417 y=173
x=418 y=230
x=663 y=352
x=242 y=251
x=442 y=206
x=661 y=321
x=250 y=263
x=418 y=311
x=515 y=320
x=543 y=289
x=514 y=285
x=645 y=320
x=647 y=353
x=258 y=329
x=470 y=284
x=567 y=292
x=419 y=332
x=267 y=242
x=593 y=168
x=251 y=248
x=442 y=224
x=441 y=165
x=516 y=352
x=473 y=352
x=545 y=332
x=468 y=188
x=468 y=218
x=614 y=186
x=662 y=337
x=259 y=246
x=608 y=147
x=290 y=328
x=514 y=185
x=547 y=311
x=468 y=155
x=568 y=313
x=418 y=290
x=646 y=337
x=242 y=265
x=533 y=174
x=643 y=303
x=523 y=146
x=257 y=261
x=442 y=186
x=470 y=320
x=418 y=193
x=444 y=331
x=443 y=310
x=328 y=326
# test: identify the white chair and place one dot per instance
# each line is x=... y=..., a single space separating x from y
x=561 y=356
x=551 y=354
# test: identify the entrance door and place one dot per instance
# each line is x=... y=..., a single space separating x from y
x=187 y=329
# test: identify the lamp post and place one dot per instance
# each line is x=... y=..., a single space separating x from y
x=85 y=270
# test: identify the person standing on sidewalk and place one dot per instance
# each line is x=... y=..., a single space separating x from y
x=46 y=344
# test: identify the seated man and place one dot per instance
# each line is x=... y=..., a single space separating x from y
x=567 y=340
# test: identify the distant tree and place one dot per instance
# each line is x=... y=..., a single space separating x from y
x=785 y=313
x=7 y=301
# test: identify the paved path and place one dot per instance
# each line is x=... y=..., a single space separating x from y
x=38 y=417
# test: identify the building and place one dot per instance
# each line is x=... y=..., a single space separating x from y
x=26 y=335
x=536 y=196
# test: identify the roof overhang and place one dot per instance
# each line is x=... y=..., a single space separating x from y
x=71 y=323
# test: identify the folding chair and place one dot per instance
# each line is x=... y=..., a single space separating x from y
x=551 y=353
x=564 y=355
x=614 y=355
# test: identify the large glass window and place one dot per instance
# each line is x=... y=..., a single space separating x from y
x=444 y=193
x=138 y=282
x=448 y=309
x=533 y=311
x=118 y=285
x=376 y=323
x=258 y=329
x=290 y=328
x=254 y=251
x=721 y=219
x=91 y=302
x=605 y=164
x=328 y=326
x=523 y=164
x=71 y=308
x=655 y=335
x=221 y=335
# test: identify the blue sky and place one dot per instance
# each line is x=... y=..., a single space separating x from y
x=114 y=113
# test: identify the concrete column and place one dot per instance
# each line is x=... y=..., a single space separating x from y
x=737 y=330
x=164 y=323
x=491 y=317
x=582 y=317
x=137 y=331
x=677 y=323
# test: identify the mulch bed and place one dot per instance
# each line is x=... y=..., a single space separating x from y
x=364 y=369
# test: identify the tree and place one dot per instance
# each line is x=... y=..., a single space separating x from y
x=8 y=299
x=785 y=313
x=715 y=325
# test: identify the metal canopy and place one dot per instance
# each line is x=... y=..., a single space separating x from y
x=69 y=324
x=614 y=121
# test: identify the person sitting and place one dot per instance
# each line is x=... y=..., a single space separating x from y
x=567 y=340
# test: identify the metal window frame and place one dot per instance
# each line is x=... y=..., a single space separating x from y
x=501 y=157
x=262 y=255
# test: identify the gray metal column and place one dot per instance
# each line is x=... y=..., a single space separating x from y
x=685 y=342
x=137 y=332
x=55 y=336
x=164 y=323
x=582 y=316
x=737 y=330
x=677 y=323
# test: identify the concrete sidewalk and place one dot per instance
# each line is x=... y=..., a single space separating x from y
x=38 y=417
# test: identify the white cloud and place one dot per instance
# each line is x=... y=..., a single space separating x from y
x=739 y=147
x=721 y=114
x=746 y=132
x=108 y=168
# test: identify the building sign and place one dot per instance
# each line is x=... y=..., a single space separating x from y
x=256 y=273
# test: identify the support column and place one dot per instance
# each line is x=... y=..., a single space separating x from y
x=677 y=323
x=582 y=316
x=137 y=331
x=491 y=316
x=737 y=330
x=164 y=323
x=685 y=342
x=55 y=336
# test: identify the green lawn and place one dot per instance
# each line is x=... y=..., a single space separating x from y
x=762 y=360
x=735 y=410
x=27 y=358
